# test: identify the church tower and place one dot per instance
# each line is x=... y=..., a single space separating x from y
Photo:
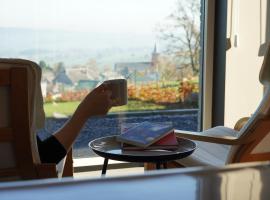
x=155 y=56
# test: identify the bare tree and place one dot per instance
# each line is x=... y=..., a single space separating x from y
x=181 y=32
x=166 y=68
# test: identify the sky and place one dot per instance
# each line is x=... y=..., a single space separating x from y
x=110 y=16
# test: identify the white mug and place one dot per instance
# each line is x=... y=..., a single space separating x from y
x=118 y=88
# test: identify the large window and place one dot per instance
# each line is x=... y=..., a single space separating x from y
x=154 y=44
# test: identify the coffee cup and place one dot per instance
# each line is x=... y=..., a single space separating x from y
x=118 y=88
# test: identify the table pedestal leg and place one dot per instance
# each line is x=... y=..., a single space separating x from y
x=158 y=165
x=165 y=165
x=104 y=167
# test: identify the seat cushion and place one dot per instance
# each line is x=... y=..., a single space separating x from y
x=207 y=154
x=210 y=154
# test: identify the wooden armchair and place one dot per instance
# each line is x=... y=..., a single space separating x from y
x=220 y=145
x=21 y=112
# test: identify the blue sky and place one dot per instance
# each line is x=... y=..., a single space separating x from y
x=125 y=16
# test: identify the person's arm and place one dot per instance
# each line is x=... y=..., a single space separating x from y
x=96 y=103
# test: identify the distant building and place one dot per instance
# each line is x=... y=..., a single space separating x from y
x=87 y=77
x=77 y=74
x=62 y=78
x=83 y=77
x=109 y=74
x=86 y=84
x=155 y=56
x=139 y=71
x=47 y=76
x=47 y=82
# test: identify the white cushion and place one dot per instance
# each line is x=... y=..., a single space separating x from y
x=207 y=154
x=210 y=154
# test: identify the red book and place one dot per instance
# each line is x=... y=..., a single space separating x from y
x=168 y=142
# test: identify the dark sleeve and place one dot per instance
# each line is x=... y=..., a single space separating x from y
x=51 y=150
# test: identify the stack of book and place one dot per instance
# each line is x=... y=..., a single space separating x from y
x=148 y=136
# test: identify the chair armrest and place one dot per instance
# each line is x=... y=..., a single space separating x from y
x=65 y=166
x=49 y=170
x=220 y=139
x=68 y=167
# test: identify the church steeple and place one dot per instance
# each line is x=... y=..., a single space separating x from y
x=155 y=55
x=155 y=49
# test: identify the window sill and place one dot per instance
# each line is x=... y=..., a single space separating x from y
x=96 y=163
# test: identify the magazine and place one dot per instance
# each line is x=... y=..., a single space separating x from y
x=169 y=142
x=144 y=134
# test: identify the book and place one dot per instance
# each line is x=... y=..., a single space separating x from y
x=144 y=134
x=169 y=142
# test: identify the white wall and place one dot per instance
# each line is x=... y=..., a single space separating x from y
x=246 y=29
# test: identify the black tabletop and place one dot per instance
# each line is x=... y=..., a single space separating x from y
x=109 y=148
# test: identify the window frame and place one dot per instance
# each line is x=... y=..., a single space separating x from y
x=212 y=75
x=212 y=70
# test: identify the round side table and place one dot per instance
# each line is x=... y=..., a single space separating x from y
x=109 y=148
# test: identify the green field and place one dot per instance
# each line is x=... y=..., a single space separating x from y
x=67 y=108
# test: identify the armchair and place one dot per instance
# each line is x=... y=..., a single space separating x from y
x=21 y=113
x=221 y=145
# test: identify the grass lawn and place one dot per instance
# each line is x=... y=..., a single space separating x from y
x=67 y=108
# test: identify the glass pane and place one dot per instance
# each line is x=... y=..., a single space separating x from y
x=154 y=44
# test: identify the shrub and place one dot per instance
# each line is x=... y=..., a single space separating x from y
x=158 y=93
x=66 y=96
x=72 y=96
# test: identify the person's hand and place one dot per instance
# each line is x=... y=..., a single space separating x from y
x=97 y=102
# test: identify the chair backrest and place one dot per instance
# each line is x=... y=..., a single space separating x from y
x=255 y=135
x=21 y=112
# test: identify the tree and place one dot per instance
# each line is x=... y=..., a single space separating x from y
x=59 y=68
x=44 y=66
x=166 y=68
x=181 y=33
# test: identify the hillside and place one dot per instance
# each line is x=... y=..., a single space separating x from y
x=75 y=47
